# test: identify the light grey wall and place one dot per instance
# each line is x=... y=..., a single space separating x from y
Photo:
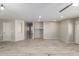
x=13 y=30
x=66 y=30
x=1 y=30
x=25 y=31
x=63 y=30
x=51 y=30
x=77 y=30
x=17 y=30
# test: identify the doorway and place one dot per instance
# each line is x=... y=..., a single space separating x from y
x=29 y=30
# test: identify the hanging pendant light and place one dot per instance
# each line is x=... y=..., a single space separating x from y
x=2 y=7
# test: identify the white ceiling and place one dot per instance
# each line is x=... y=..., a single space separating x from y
x=31 y=11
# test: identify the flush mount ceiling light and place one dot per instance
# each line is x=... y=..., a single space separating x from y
x=2 y=7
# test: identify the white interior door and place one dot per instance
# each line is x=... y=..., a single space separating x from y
x=6 y=31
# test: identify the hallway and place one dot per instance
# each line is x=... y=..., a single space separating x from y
x=38 y=48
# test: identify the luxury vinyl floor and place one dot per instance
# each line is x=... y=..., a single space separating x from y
x=38 y=48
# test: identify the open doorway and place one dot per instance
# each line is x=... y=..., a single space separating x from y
x=28 y=31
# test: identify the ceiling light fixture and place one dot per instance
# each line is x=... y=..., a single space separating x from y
x=2 y=7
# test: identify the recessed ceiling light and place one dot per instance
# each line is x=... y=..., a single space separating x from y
x=75 y=4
